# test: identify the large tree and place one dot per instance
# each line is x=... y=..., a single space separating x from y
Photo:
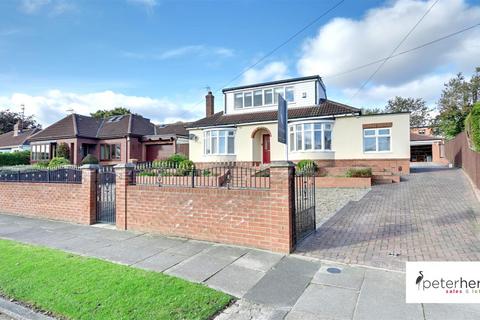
x=420 y=113
x=368 y=111
x=456 y=101
x=8 y=119
x=119 y=111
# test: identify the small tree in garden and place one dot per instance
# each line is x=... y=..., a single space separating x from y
x=58 y=162
x=63 y=151
x=90 y=159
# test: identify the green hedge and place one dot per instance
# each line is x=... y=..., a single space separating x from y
x=359 y=173
x=472 y=126
x=15 y=158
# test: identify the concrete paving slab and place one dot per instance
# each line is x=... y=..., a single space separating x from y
x=452 y=311
x=226 y=252
x=245 y=310
x=19 y=312
x=6 y=229
x=298 y=315
x=80 y=245
x=284 y=283
x=259 y=260
x=329 y=302
x=190 y=248
x=125 y=254
x=383 y=296
x=340 y=276
x=161 y=261
x=235 y=280
x=199 y=268
x=147 y=240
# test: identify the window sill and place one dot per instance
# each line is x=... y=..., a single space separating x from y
x=375 y=152
x=312 y=151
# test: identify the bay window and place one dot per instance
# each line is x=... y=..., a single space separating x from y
x=219 y=142
x=376 y=140
x=40 y=152
x=313 y=136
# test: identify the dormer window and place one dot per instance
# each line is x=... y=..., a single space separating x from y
x=263 y=97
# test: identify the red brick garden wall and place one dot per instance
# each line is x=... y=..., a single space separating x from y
x=460 y=155
x=255 y=218
x=57 y=201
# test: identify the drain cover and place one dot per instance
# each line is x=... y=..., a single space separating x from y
x=394 y=254
x=334 y=270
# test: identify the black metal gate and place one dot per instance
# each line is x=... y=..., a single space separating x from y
x=106 y=195
x=304 y=208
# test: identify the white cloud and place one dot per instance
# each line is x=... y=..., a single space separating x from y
x=149 y=5
x=345 y=43
x=272 y=71
x=197 y=50
x=428 y=88
x=53 y=105
x=55 y=7
x=9 y=32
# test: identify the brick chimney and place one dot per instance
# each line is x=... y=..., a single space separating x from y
x=210 y=104
x=17 y=128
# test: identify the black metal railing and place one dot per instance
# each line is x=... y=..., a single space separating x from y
x=210 y=176
x=70 y=174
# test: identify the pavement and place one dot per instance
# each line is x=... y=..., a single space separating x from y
x=269 y=285
x=432 y=215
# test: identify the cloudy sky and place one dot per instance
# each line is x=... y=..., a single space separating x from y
x=157 y=57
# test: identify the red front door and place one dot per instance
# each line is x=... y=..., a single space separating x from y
x=266 y=148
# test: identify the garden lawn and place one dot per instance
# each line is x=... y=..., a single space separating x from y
x=76 y=287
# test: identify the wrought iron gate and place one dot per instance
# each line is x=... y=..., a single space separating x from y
x=304 y=208
x=106 y=195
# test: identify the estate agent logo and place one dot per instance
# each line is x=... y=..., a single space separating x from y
x=443 y=282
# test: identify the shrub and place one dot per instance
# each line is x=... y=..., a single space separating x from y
x=185 y=167
x=303 y=165
x=15 y=158
x=58 y=162
x=63 y=151
x=177 y=158
x=472 y=126
x=41 y=164
x=359 y=173
x=90 y=159
x=147 y=174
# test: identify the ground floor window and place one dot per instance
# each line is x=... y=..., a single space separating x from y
x=218 y=142
x=110 y=151
x=40 y=152
x=376 y=140
x=313 y=136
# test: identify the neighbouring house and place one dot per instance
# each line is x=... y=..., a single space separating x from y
x=18 y=139
x=425 y=146
x=331 y=133
x=113 y=140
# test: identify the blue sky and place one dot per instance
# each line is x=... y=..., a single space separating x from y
x=157 y=56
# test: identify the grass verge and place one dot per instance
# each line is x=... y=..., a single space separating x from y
x=76 y=287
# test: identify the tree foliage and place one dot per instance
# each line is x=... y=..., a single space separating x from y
x=63 y=151
x=369 y=111
x=472 y=126
x=419 y=112
x=8 y=119
x=102 y=114
x=457 y=99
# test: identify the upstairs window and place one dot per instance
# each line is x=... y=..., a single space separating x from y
x=238 y=100
x=263 y=97
x=289 y=94
x=376 y=140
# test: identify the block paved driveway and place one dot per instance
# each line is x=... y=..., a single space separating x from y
x=431 y=215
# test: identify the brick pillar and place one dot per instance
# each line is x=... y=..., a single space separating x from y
x=89 y=188
x=122 y=172
x=281 y=187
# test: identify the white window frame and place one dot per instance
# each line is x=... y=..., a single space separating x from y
x=252 y=92
x=293 y=144
x=377 y=135
x=210 y=131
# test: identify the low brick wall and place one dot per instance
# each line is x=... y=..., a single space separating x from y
x=255 y=218
x=342 y=182
x=56 y=201
x=396 y=166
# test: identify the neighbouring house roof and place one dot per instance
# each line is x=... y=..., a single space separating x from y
x=325 y=109
x=78 y=126
x=422 y=137
x=316 y=77
x=9 y=140
x=178 y=128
